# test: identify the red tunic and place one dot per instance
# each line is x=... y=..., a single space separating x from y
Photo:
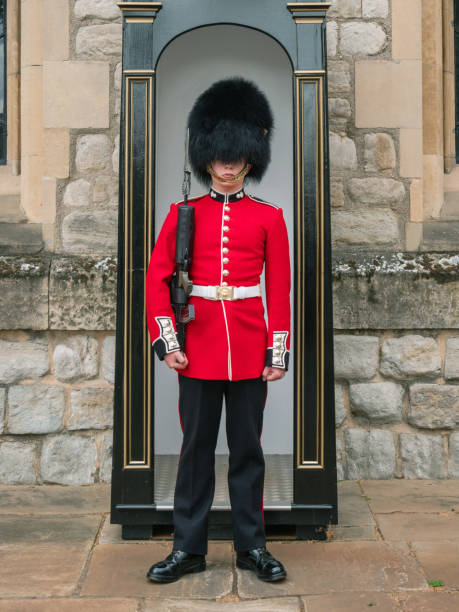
x=228 y=340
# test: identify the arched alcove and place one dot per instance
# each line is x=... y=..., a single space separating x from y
x=189 y=64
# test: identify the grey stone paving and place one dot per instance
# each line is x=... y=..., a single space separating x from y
x=61 y=553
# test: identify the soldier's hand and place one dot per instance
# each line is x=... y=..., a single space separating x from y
x=177 y=360
x=273 y=373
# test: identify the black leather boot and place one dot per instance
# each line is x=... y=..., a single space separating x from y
x=175 y=565
x=260 y=561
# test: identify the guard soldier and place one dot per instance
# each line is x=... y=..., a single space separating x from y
x=229 y=351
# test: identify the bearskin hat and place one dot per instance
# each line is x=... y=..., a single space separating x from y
x=229 y=121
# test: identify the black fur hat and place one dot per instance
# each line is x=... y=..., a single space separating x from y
x=231 y=120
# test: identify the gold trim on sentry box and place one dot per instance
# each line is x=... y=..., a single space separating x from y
x=302 y=7
x=139 y=19
x=309 y=19
x=135 y=71
x=140 y=6
x=130 y=81
x=318 y=462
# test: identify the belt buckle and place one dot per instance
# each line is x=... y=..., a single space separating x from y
x=225 y=292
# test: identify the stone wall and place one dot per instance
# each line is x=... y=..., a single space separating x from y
x=397 y=387
x=395 y=290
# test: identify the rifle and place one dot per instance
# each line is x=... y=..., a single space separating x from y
x=181 y=285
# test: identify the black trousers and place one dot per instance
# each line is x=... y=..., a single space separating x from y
x=200 y=407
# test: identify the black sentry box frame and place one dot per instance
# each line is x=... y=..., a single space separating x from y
x=299 y=27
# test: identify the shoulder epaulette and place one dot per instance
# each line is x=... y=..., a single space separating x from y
x=252 y=197
x=193 y=198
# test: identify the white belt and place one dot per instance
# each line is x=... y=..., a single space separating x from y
x=226 y=292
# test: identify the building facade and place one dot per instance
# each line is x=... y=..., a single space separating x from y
x=394 y=183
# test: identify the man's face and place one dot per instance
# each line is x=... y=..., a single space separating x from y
x=228 y=169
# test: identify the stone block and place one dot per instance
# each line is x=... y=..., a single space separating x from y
x=411 y=152
x=422 y=456
x=383 y=290
x=17 y=462
x=108 y=358
x=407 y=29
x=106 y=453
x=339 y=77
x=339 y=459
x=355 y=356
x=340 y=408
x=76 y=358
x=336 y=193
x=378 y=226
x=349 y=8
x=440 y=235
x=18 y=238
x=434 y=406
x=35 y=409
x=343 y=155
x=380 y=81
x=105 y=190
x=2 y=409
x=375 y=8
x=103 y=9
x=369 y=454
x=90 y=232
x=68 y=460
x=379 y=402
x=452 y=359
x=362 y=38
x=91 y=408
x=93 y=153
x=453 y=462
x=19 y=360
x=83 y=293
x=339 y=108
x=332 y=38
x=380 y=154
x=99 y=41
x=57 y=152
x=374 y=190
x=78 y=193
x=87 y=106
x=410 y=356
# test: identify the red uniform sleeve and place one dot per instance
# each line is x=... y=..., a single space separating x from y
x=277 y=286
x=160 y=314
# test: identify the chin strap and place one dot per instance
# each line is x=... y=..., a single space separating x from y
x=235 y=178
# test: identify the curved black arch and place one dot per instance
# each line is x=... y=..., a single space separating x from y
x=222 y=23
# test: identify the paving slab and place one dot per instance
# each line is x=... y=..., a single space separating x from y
x=121 y=571
x=352 y=602
x=275 y=604
x=42 y=529
x=432 y=602
x=326 y=567
x=54 y=499
x=41 y=570
x=440 y=561
x=340 y=532
x=412 y=495
x=80 y=604
x=411 y=526
x=353 y=509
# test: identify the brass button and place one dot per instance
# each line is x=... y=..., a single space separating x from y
x=226 y=260
x=225 y=249
x=225 y=228
x=225 y=239
x=225 y=272
x=227 y=208
x=224 y=283
x=226 y=217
